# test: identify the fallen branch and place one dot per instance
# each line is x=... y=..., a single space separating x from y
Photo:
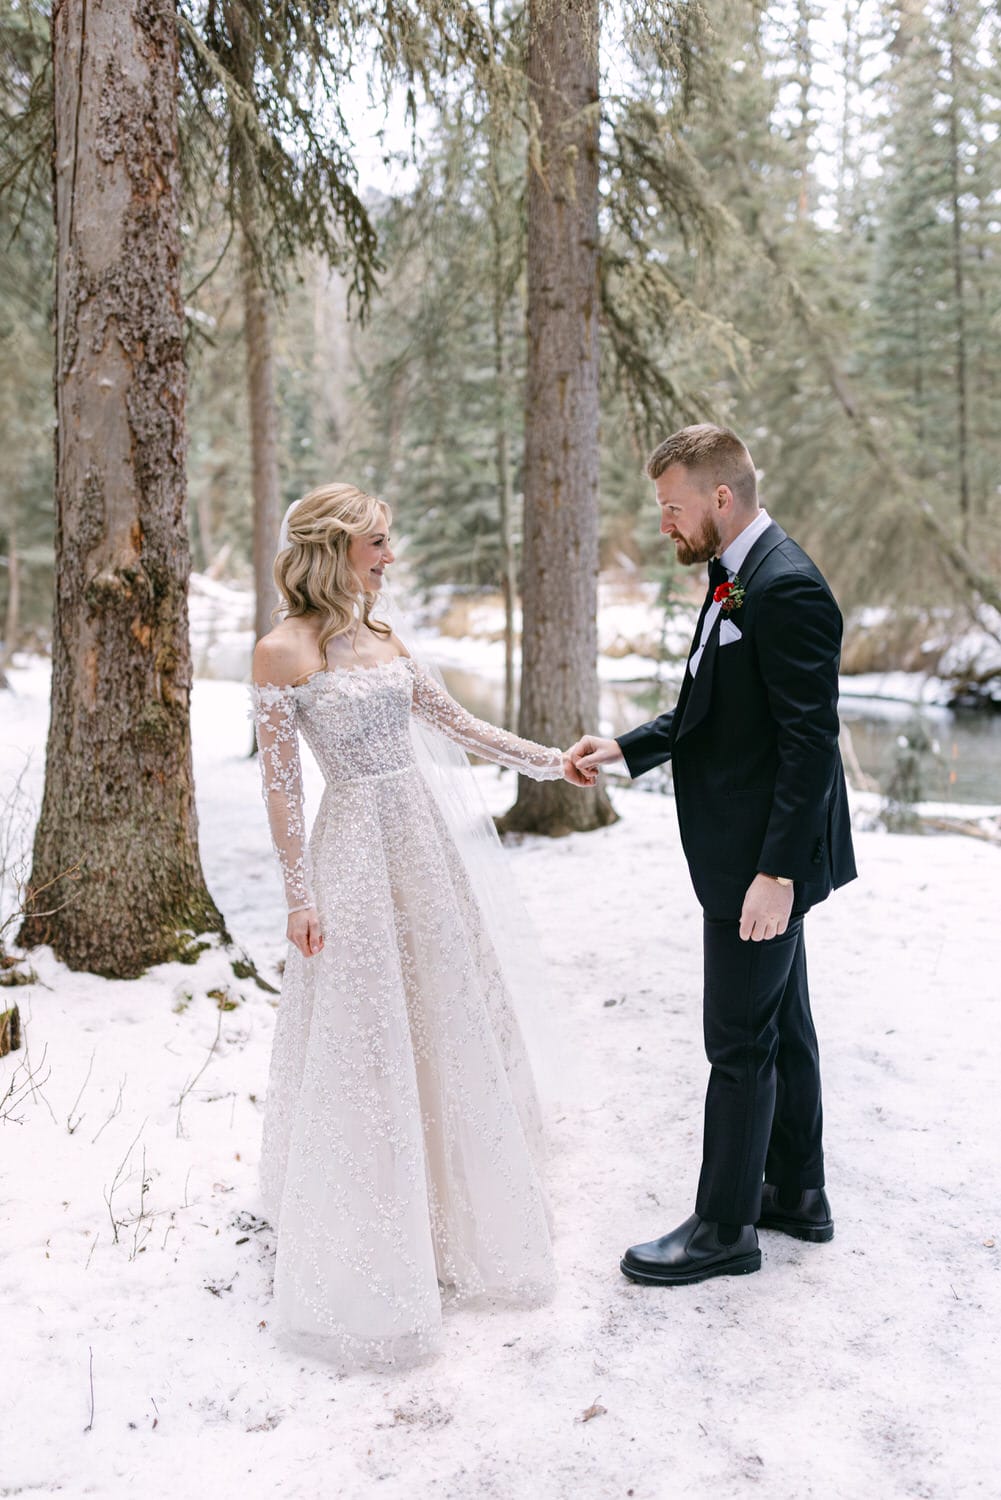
x=960 y=825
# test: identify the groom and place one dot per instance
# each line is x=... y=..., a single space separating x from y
x=764 y=822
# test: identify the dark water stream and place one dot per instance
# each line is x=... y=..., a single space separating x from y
x=964 y=764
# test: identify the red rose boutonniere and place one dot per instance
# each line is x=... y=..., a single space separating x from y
x=729 y=596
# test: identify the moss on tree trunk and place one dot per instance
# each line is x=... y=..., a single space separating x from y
x=116 y=880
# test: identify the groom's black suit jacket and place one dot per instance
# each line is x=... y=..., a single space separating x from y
x=753 y=740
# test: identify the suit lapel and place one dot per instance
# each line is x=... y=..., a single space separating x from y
x=687 y=681
x=696 y=693
x=696 y=704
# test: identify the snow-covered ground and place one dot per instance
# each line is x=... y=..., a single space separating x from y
x=863 y=1368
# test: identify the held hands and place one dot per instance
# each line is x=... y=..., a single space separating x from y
x=766 y=909
x=581 y=761
x=304 y=930
x=767 y=904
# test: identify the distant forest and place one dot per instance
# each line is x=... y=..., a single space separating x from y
x=799 y=225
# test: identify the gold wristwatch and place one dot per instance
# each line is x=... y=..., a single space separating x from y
x=780 y=879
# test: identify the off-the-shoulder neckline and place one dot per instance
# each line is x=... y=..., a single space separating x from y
x=294 y=687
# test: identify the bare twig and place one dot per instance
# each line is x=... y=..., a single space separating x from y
x=142 y=1225
x=72 y=1124
x=18 y=1089
x=34 y=1082
x=186 y=1090
x=116 y=1110
x=90 y=1425
x=109 y=1193
x=33 y=891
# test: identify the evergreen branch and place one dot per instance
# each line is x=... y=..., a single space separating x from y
x=215 y=264
x=291 y=194
x=821 y=345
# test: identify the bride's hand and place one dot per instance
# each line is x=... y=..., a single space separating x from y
x=591 y=752
x=304 y=930
x=574 y=775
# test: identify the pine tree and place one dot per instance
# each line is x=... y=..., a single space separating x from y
x=262 y=114
x=559 y=684
x=26 y=508
x=936 y=288
x=116 y=881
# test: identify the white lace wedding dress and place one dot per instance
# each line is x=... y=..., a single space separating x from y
x=401 y=1124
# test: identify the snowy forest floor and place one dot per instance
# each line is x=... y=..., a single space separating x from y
x=866 y=1367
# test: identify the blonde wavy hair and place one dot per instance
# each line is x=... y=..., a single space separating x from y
x=313 y=575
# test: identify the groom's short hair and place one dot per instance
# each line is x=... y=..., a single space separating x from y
x=717 y=450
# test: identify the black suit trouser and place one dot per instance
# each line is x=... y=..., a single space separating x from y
x=763 y=1114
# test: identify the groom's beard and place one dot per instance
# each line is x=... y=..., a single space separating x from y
x=705 y=544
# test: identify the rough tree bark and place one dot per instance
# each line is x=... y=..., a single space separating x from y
x=559 y=681
x=116 y=880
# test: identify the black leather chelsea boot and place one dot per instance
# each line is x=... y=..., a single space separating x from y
x=690 y=1253
x=809 y=1219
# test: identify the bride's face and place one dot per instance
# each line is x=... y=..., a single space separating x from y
x=369 y=556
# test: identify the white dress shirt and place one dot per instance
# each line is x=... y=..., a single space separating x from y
x=732 y=558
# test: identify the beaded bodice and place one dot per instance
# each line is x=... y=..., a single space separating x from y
x=356 y=721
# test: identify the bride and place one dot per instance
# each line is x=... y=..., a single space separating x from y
x=398 y=1151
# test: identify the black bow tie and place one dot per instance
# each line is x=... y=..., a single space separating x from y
x=717 y=574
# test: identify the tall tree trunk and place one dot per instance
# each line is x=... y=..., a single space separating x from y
x=203 y=515
x=847 y=165
x=331 y=405
x=502 y=393
x=258 y=334
x=803 y=53
x=559 y=680
x=505 y=495
x=116 y=881
x=12 y=614
x=265 y=484
x=958 y=281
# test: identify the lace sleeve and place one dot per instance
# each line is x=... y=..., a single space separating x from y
x=281 y=783
x=433 y=706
